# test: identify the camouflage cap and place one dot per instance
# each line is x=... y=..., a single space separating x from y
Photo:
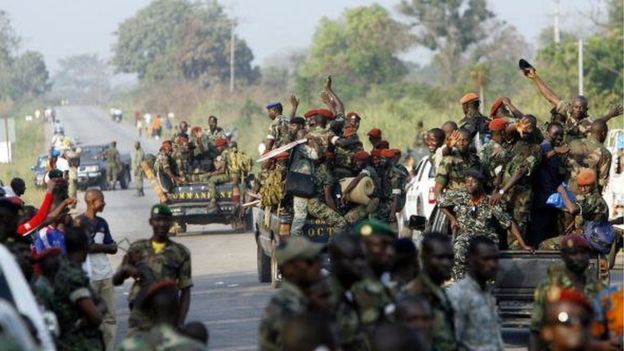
x=297 y=247
x=160 y=210
x=373 y=227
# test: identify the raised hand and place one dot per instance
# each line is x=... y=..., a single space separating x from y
x=453 y=139
x=523 y=125
x=328 y=83
x=294 y=100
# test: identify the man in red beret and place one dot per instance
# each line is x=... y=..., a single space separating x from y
x=165 y=167
x=374 y=136
x=363 y=168
x=503 y=108
x=494 y=154
x=394 y=178
x=567 y=321
x=220 y=173
x=473 y=121
x=317 y=123
x=575 y=254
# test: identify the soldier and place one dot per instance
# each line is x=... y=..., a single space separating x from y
x=182 y=156
x=414 y=311
x=348 y=267
x=323 y=204
x=437 y=260
x=503 y=108
x=567 y=323
x=405 y=267
x=346 y=146
x=165 y=166
x=278 y=131
x=494 y=155
x=434 y=139
x=451 y=172
x=373 y=296
x=214 y=132
x=166 y=259
x=317 y=122
x=182 y=130
x=299 y=262
x=113 y=164
x=357 y=212
x=374 y=137
x=575 y=253
x=42 y=287
x=161 y=305
x=137 y=168
x=589 y=152
x=392 y=197
x=473 y=121
x=74 y=304
x=471 y=214
x=449 y=127
x=220 y=174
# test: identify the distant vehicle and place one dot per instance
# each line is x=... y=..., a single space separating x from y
x=419 y=199
x=116 y=114
x=39 y=170
x=92 y=168
x=614 y=191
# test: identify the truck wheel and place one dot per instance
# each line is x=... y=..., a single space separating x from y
x=264 y=265
x=276 y=279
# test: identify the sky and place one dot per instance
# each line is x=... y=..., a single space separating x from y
x=61 y=28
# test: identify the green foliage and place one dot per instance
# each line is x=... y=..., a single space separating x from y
x=360 y=49
x=82 y=78
x=179 y=39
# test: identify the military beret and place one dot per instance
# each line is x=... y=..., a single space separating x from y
x=384 y=144
x=469 y=98
x=497 y=103
x=586 y=176
x=556 y=295
x=166 y=144
x=387 y=153
x=156 y=288
x=272 y=105
x=49 y=252
x=160 y=210
x=376 y=153
x=375 y=133
x=282 y=156
x=497 y=124
x=347 y=132
x=297 y=120
x=196 y=129
x=395 y=152
x=297 y=248
x=361 y=155
x=221 y=142
x=574 y=241
x=353 y=115
x=55 y=173
x=373 y=227
x=319 y=112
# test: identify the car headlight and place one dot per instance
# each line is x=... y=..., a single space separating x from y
x=93 y=168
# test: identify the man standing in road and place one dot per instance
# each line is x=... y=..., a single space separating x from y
x=99 y=267
x=113 y=161
x=476 y=321
x=166 y=259
x=137 y=168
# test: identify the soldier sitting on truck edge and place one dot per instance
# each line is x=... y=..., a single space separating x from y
x=220 y=174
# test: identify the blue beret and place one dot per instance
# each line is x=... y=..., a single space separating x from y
x=277 y=105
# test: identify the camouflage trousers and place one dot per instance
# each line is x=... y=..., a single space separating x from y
x=460 y=247
x=519 y=206
x=214 y=181
x=111 y=173
x=361 y=212
x=552 y=244
x=138 y=181
x=300 y=213
x=319 y=209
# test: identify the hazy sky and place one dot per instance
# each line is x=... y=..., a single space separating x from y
x=60 y=28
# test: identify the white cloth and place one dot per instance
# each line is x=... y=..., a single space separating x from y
x=62 y=164
x=100 y=266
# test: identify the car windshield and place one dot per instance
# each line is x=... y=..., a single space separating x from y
x=92 y=152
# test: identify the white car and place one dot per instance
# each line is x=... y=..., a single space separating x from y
x=419 y=199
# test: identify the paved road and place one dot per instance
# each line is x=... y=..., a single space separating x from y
x=226 y=295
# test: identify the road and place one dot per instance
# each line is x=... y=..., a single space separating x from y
x=226 y=295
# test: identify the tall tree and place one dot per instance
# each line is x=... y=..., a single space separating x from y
x=84 y=78
x=30 y=76
x=447 y=27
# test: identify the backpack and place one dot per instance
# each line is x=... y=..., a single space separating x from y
x=600 y=235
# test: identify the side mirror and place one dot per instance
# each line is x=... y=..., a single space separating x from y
x=417 y=222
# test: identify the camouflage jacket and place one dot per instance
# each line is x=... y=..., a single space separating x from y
x=450 y=173
x=139 y=156
x=287 y=302
x=475 y=219
x=302 y=160
x=494 y=157
x=475 y=123
x=161 y=337
x=559 y=277
x=393 y=183
x=346 y=313
x=593 y=207
x=70 y=285
x=476 y=321
x=112 y=156
x=375 y=300
x=173 y=262
x=181 y=157
x=322 y=178
x=443 y=314
x=213 y=136
x=523 y=154
x=588 y=153
x=165 y=163
x=574 y=129
x=278 y=131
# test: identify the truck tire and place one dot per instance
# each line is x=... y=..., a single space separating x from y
x=264 y=265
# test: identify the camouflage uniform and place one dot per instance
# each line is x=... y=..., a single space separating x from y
x=443 y=326
x=173 y=262
x=302 y=161
x=528 y=156
x=165 y=163
x=43 y=290
x=588 y=153
x=573 y=129
x=450 y=173
x=181 y=156
x=494 y=157
x=287 y=302
x=278 y=131
x=213 y=136
x=474 y=219
x=360 y=212
x=113 y=165
x=70 y=285
x=374 y=299
x=393 y=183
x=558 y=278
x=161 y=337
x=344 y=156
x=137 y=170
x=317 y=207
x=351 y=336
x=475 y=122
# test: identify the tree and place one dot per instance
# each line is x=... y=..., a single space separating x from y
x=359 y=50
x=30 y=76
x=179 y=39
x=83 y=78
x=447 y=27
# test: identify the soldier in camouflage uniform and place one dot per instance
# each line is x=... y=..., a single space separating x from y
x=590 y=153
x=494 y=155
x=165 y=165
x=357 y=212
x=221 y=173
x=348 y=267
x=214 y=132
x=473 y=121
x=323 y=204
x=299 y=262
x=113 y=164
x=575 y=253
x=74 y=303
x=393 y=187
x=182 y=156
x=345 y=148
x=437 y=260
x=375 y=299
x=137 y=168
x=167 y=260
x=451 y=172
x=278 y=130
x=161 y=305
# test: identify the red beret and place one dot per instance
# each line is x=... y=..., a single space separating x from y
x=196 y=129
x=51 y=252
x=166 y=144
x=586 y=176
x=498 y=124
x=221 y=142
x=497 y=103
x=556 y=294
x=282 y=156
x=376 y=153
x=361 y=155
x=396 y=152
x=469 y=98
x=354 y=115
x=384 y=144
x=319 y=112
x=390 y=153
x=577 y=241
x=375 y=133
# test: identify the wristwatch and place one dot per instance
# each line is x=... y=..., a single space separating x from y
x=502 y=192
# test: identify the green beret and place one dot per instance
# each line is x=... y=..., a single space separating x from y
x=160 y=210
x=297 y=248
x=373 y=227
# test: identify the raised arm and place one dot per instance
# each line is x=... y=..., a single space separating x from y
x=339 y=106
x=542 y=87
x=612 y=113
x=512 y=108
x=294 y=103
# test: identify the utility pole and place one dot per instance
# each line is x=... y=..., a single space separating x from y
x=232 y=53
x=580 y=66
x=557 y=37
